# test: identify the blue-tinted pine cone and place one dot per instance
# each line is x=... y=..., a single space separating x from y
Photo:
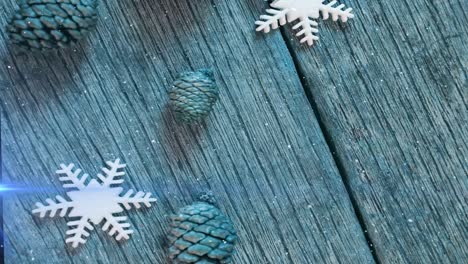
x=51 y=24
x=193 y=95
x=201 y=234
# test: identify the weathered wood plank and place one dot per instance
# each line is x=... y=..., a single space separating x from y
x=261 y=151
x=2 y=247
x=390 y=88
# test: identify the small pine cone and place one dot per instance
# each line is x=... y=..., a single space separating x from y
x=193 y=95
x=201 y=234
x=51 y=24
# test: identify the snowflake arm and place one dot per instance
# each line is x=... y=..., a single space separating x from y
x=119 y=227
x=79 y=234
x=309 y=28
x=335 y=12
x=53 y=207
x=136 y=200
x=71 y=176
x=112 y=173
x=272 y=21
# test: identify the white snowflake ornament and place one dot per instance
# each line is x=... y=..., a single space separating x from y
x=94 y=202
x=307 y=11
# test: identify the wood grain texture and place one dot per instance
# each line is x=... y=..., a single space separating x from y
x=261 y=151
x=390 y=89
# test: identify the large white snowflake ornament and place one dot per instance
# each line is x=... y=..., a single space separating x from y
x=307 y=11
x=94 y=202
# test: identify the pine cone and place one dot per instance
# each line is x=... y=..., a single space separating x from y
x=193 y=95
x=201 y=234
x=51 y=24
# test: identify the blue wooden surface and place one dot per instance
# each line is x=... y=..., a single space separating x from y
x=261 y=151
x=390 y=90
x=353 y=151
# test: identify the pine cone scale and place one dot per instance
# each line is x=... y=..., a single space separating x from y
x=199 y=250
x=187 y=226
x=211 y=242
x=27 y=12
x=38 y=10
x=204 y=228
x=70 y=9
x=177 y=232
x=49 y=22
x=194 y=237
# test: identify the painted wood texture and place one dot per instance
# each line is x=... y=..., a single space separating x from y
x=262 y=150
x=390 y=89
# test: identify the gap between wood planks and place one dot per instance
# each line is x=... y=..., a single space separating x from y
x=331 y=146
x=329 y=142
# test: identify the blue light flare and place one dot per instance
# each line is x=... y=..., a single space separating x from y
x=18 y=188
x=8 y=188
